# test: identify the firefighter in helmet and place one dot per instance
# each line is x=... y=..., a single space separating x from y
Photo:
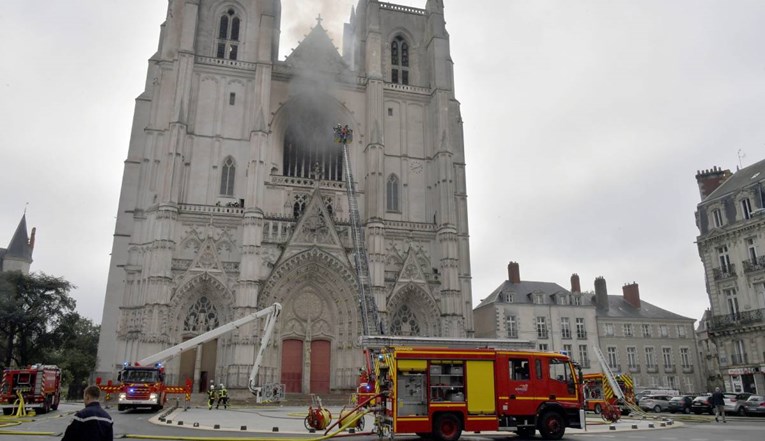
x=222 y=397
x=211 y=395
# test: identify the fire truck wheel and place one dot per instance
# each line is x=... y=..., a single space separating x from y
x=120 y=407
x=598 y=409
x=526 y=432
x=447 y=427
x=552 y=426
x=54 y=405
x=7 y=411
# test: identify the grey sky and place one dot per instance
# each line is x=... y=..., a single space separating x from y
x=585 y=123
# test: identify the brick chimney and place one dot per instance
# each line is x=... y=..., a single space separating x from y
x=575 y=286
x=632 y=294
x=601 y=294
x=514 y=272
x=709 y=180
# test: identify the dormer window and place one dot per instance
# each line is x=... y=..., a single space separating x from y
x=746 y=208
x=717 y=217
x=228 y=35
x=399 y=60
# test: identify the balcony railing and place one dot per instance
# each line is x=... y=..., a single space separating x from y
x=652 y=369
x=669 y=369
x=687 y=369
x=634 y=369
x=738 y=359
x=724 y=272
x=720 y=322
x=754 y=265
x=615 y=367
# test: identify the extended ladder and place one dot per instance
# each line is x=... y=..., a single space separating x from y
x=369 y=317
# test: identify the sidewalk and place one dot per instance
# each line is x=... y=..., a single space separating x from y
x=290 y=419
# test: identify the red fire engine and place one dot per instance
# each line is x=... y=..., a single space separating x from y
x=443 y=391
x=40 y=386
x=600 y=397
x=142 y=384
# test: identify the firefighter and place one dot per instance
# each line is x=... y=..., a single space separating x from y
x=211 y=395
x=222 y=397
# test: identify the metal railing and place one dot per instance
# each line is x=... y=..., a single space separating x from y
x=720 y=322
x=750 y=265
x=724 y=272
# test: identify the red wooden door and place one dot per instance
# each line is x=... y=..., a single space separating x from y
x=292 y=365
x=320 y=359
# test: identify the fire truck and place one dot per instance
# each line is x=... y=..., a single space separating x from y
x=599 y=395
x=440 y=392
x=142 y=384
x=39 y=385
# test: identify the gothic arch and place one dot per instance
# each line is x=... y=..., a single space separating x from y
x=413 y=302
x=315 y=279
x=191 y=291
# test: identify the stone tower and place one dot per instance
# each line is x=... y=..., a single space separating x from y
x=233 y=195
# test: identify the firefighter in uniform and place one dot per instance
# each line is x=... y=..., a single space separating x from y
x=211 y=395
x=222 y=397
x=91 y=423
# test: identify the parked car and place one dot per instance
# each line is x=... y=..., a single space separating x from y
x=755 y=405
x=701 y=404
x=657 y=403
x=735 y=403
x=680 y=404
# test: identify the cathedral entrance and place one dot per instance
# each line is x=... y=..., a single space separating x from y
x=292 y=365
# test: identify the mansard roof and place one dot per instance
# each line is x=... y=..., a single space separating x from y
x=522 y=291
x=741 y=179
x=317 y=53
x=618 y=308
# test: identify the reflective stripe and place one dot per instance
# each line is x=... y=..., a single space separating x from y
x=93 y=418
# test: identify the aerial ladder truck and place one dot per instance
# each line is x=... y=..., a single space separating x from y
x=142 y=384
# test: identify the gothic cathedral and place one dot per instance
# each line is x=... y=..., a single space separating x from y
x=234 y=194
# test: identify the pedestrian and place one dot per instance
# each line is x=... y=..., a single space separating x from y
x=91 y=423
x=222 y=397
x=718 y=403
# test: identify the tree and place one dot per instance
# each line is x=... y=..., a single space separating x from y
x=73 y=347
x=31 y=307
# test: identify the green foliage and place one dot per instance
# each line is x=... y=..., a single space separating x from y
x=38 y=325
x=74 y=344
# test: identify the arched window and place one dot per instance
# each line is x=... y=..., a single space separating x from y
x=405 y=323
x=391 y=193
x=228 y=35
x=227 y=175
x=202 y=317
x=399 y=60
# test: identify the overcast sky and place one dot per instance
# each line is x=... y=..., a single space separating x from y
x=585 y=123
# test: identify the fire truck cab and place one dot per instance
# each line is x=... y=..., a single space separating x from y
x=440 y=392
x=142 y=386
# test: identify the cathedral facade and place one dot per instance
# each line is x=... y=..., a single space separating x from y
x=234 y=194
